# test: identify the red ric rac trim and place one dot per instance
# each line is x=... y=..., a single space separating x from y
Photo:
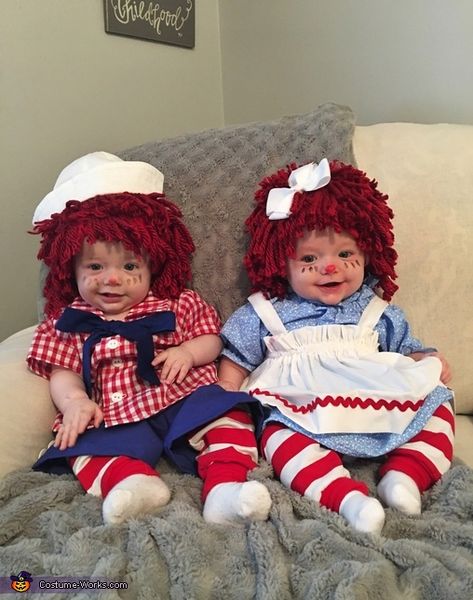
x=341 y=401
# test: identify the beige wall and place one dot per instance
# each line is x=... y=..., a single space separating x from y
x=390 y=60
x=68 y=88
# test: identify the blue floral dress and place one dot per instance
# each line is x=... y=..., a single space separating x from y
x=332 y=382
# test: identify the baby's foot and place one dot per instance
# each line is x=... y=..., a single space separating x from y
x=400 y=491
x=228 y=503
x=362 y=512
x=134 y=496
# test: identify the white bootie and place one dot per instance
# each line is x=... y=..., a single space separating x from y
x=134 y=496
x=362 y=512
x=229 y=503
x=400 y=491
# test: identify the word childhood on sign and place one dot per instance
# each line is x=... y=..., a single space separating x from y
x=167 y=21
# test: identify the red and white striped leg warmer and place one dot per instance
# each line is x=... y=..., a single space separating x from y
x=428 y=455
x=99 y=474
x=227 y=450
x=306 y=467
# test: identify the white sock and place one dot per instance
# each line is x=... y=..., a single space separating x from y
x=134 y=496
x=400 y=491
x=228 y=503
x=362 y=512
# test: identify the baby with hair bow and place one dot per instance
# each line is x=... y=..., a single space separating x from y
x=333 y=363
x=130 y=352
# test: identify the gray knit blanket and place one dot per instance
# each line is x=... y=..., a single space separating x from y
x=50 y=528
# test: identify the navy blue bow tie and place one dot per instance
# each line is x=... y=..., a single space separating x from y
x=139 y=331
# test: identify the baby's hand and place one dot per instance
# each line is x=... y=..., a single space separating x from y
x=446 y=373
x=76 y=417
x=176 y=361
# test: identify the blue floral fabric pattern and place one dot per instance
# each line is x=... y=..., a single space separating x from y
x=243 y=336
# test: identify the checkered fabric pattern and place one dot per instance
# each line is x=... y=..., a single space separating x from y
x=123 y=397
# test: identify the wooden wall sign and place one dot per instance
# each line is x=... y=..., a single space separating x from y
x=166 y=21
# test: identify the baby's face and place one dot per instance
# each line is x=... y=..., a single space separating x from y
x=328 y=266
x=111 y=278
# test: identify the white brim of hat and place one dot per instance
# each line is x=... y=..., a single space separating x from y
x=109 y=178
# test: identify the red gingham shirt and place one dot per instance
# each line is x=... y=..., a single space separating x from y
x=123 y=397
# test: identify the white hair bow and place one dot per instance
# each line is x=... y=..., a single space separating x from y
x=308 y=178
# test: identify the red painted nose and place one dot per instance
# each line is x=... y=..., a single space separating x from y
x=112 y=280
x=329 y=269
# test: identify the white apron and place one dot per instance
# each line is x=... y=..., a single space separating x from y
x=332 y=379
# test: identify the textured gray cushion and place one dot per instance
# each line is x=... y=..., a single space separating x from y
x=213 y=175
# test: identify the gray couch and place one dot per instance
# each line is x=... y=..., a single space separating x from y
x=303 y=551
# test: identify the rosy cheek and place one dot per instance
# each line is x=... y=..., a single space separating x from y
x=353 y=263
x=135 y=280
x=90 y=282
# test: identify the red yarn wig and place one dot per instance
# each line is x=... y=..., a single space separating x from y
x=147 y=224
x=350 y=202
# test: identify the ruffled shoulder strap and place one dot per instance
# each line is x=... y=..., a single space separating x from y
x=267 y=313
x=373 y=312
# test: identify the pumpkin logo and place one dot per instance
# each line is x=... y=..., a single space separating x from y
x=21 y=582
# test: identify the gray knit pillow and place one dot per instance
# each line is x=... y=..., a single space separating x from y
x=212 y=176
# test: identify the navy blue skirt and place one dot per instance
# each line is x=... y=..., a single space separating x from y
x=164 y=434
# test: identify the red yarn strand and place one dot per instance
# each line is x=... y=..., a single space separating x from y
x=351 y=202
x=146 y=224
